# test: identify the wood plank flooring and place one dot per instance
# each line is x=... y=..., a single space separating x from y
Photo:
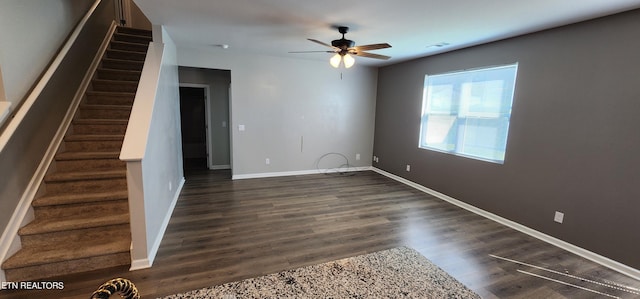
x=223 y=230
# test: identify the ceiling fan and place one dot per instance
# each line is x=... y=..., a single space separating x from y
x=344 y=48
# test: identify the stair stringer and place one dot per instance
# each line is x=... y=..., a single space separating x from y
x=10 y=240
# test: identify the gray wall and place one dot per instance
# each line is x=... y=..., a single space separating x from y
x=31 y=33
x=218 y=82
x=294 y=110
x=138 y=19
x=24 y=151
x=573 y=141
x=162 y=163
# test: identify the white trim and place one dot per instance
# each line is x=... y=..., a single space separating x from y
x=15 y=244
x=291 y=173
x=141 y=113
x=592 y=256
x=15 y=122
x=148 y=262
x=230 y=125
x=219 y=167
x=21 y=213
x=140 y=264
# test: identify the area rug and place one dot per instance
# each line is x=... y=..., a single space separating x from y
x=395 y=273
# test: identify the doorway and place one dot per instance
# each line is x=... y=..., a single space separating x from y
x=215 y=86
x=193 y=122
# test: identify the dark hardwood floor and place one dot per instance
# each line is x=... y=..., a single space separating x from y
x=223 y=230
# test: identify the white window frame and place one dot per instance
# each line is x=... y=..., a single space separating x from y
x=453 y=118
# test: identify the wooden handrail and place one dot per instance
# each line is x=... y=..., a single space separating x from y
x=15 y=118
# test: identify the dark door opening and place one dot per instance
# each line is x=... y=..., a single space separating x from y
x=194 y=128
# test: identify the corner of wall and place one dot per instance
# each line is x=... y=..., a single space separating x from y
x=161 y=36
x=5 y=109
x=585 y=253
x=5 y=106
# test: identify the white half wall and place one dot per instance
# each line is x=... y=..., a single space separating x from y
x=293 y=111
x=153 y=151
x=162 y=164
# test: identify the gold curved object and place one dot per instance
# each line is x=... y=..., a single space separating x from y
x=121 y=286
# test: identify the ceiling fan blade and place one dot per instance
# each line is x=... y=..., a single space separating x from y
x=311 y=52
x=371 y=47
x=321 y=43
x=371 y=55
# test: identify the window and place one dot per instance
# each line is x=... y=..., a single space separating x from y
x=467 y=113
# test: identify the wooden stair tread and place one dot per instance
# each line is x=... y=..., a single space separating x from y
x=125 y=43
x=75 y=198
x=105 y=107
x=84 y=137
x=111 y=93
x=122 y=45
x=103 y=69
x=126 y=51
x=137 y=31
x=134 y=35
x=84 y=175
x=115 y=81
x=60 y=252
x=128 y=55
x=66 y=156
x=100 y=121
x=50 y=225
x=123 y=61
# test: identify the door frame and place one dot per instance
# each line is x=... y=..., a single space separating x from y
x=207 y=119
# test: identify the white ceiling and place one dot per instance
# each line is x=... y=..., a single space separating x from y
x=275 y=27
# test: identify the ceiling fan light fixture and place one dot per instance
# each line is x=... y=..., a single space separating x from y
x=348 y=61
x=335 y=60
x=344 y=49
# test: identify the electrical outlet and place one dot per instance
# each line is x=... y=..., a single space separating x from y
x=357 y=156
x=267 y=161
x=408 y=167
x=377 y=159
x=559 y=217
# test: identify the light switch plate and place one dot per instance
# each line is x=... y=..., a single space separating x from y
x=559 y=217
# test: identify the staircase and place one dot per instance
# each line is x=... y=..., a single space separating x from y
x=82 y=218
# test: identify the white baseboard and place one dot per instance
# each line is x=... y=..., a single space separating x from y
x=148 y=262
x=291 y=173
x=219 y=167
x=602 y=260
x=140 y=264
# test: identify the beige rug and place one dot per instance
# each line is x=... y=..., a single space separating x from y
x=395 y=273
